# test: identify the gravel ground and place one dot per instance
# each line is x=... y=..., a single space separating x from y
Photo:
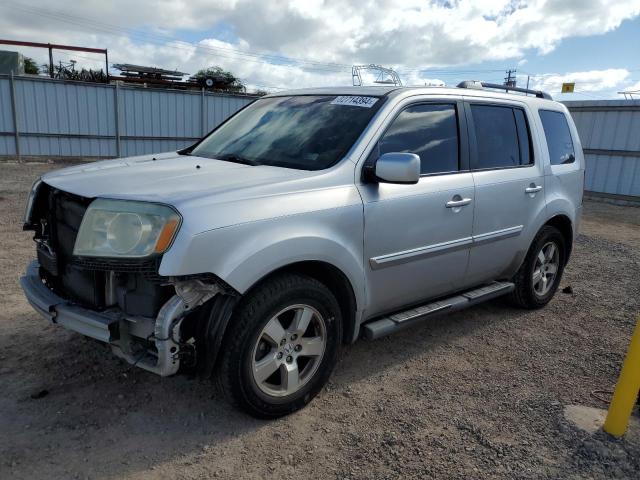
x=476 y=394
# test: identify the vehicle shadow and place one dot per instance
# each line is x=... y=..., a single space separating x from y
x=103 y=418
x=459 y=331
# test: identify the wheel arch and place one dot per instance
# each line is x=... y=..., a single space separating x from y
x=563 y=223
x=334 y=279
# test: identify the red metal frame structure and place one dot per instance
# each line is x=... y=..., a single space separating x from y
x=52 y=46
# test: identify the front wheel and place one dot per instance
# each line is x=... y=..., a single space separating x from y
x=539 y=275
x=281 y=346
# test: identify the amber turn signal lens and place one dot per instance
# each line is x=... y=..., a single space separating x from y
x=164 y=240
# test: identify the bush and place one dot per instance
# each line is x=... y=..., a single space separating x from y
x=216 y=78
x=30 y=66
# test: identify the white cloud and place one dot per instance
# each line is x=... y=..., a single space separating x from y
x=633 y=87
x=405 y=34
x=419 y=79
x=589 y=81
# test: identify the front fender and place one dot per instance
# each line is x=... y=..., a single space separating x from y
x=243 y=254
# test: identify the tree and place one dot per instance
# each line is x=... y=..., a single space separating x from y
x=30 y=66
x=218 y=79
x=260 y=92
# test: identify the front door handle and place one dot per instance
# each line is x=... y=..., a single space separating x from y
x=458 y=203
x=533 y=188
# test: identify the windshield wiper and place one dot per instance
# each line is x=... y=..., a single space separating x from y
x=232 y=157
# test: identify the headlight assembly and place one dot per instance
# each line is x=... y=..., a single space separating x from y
x=28 y=209
x=122 y=228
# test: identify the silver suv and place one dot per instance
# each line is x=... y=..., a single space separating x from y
x=307 y=220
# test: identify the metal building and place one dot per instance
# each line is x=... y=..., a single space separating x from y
x=55 y=118
x=610 y=135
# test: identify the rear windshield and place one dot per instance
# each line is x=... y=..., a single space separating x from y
x=302 y=132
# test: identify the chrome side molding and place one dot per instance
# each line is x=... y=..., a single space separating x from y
x=413 y=254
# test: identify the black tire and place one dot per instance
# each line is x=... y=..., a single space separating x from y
x=242 y=335
x=524 y=295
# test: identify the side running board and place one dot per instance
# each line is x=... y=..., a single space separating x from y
x=398 y=321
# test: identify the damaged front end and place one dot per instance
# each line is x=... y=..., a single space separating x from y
x=160 y=345
x=166 y=343
x=157 y=323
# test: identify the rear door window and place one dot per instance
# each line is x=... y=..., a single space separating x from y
x=428 y=130
x=502 y=137
x=559 y=141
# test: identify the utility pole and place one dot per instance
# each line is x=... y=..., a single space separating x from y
x=510 y=79
x=50 y=60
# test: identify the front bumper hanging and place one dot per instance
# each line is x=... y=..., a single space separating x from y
x=101 y=326
x=112 y=326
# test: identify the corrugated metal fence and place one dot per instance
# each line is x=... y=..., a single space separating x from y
x=610 y=135
x=67 y=119
x=74 y=119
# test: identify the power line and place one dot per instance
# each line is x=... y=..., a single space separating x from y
x=235 y=54
x=74 y=56
x=182 y=45
x=510 y=79
x=447 y=71
x=159 y=39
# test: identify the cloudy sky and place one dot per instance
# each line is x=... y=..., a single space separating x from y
x=283 y=44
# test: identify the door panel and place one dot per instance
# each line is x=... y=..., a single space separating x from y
x=509 y=181
x=416 y=241
x=415 y=246
x=504 y=218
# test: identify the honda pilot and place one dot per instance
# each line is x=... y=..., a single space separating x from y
x=305 y=221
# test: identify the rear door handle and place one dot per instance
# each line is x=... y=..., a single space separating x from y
x=535 y=189
x=458 y=203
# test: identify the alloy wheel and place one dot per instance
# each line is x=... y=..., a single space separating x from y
x=546 y=268
x=289 y=350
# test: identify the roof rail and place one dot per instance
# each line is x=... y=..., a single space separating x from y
x=474 y=84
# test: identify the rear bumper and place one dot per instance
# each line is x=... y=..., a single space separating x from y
x=101 y=326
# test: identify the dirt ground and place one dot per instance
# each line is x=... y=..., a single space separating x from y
x=477 y=394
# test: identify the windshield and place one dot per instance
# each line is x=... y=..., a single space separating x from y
x=302 y=132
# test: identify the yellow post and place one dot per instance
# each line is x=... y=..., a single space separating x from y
x=627 y=388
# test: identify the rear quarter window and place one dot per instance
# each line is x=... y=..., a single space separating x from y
x=559 y=141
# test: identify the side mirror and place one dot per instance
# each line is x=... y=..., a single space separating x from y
x=398 y=168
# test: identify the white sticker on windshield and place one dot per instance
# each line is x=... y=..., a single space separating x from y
x=353 y=101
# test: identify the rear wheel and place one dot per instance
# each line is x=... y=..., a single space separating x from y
x=281 y=346
x=539 y=275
